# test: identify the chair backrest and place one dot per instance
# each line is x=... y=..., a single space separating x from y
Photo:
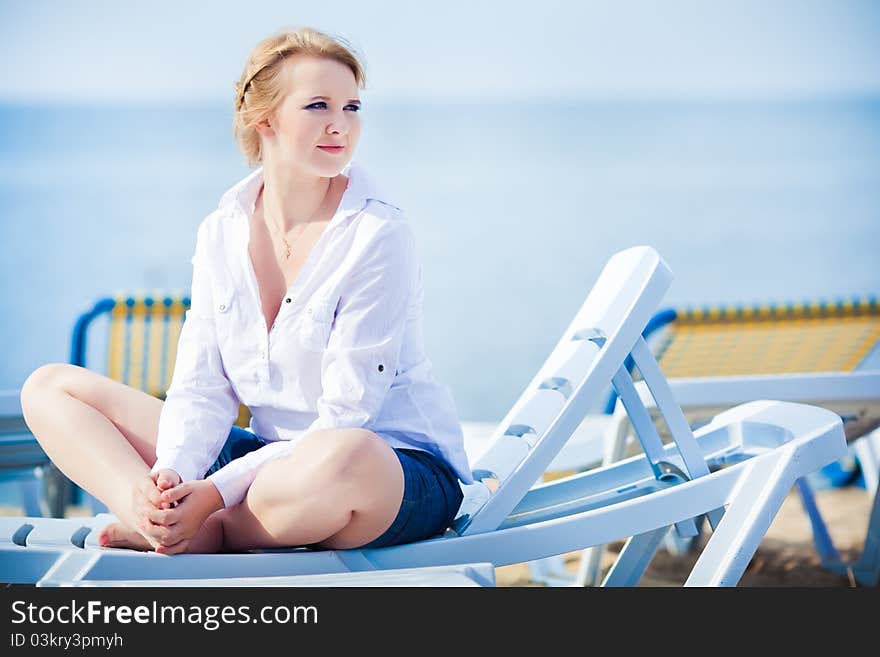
x=141 y=342
x=747 y=340
x=579 y=369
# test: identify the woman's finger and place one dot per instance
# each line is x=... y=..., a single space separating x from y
x=154 y=543
x=171 y=536
x=177 y=493
x=167 y=479
x=156 y=534
x=145 y=510
x=149 y=491
x=165 y=517
x=178 y=548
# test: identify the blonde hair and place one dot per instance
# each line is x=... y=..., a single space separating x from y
x=260 y=88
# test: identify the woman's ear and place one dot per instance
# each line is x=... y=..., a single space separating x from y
x=264 y=127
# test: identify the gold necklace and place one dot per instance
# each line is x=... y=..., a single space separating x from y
x=287 y=248
x=288 y=251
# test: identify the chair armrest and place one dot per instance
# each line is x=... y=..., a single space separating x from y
x=855 y=396
x=732 y=390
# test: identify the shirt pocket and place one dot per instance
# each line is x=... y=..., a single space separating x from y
x=224 y=306
x=315 y=322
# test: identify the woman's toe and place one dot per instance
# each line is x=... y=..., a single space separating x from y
x=118 y=535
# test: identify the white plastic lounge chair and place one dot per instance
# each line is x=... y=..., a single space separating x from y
x=820 y=354
x=825 y=353
x=735 y=471
x=854 y=396
x=54 y=552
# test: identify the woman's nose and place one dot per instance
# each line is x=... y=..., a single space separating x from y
x=338 y=125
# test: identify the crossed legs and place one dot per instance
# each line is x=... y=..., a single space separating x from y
x=337 y=488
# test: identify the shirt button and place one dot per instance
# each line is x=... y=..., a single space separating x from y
x=287 y=300
x=222 y=307
x=381 y=367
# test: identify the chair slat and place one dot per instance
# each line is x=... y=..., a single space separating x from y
x=501 y=459
x=572 y=360
x=536 y=414
x=153 y=359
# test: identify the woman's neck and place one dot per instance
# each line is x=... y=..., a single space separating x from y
x=289 y=199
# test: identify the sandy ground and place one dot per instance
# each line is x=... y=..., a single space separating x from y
x=786 y=556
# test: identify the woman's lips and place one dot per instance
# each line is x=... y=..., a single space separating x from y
x=332 y=149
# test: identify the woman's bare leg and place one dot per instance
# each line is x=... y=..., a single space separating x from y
x=100 y=433
x=338 y=488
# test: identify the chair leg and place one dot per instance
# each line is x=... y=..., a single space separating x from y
x=676 y=545
x=550 y=571
x=589 y=569
x=57 y=488
x=824 y=545
x=634 y=558
x=30 y=495
x=867 y=570
x=743 y=526
x=867 y=450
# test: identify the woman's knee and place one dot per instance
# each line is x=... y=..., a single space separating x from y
x=45 y=378
x=342 y=454
x=330 y=462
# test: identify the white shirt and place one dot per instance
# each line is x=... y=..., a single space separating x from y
x=346 y=349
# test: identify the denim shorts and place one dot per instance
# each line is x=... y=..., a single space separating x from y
x=431 y=494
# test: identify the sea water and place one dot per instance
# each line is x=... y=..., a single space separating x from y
x=515 y=206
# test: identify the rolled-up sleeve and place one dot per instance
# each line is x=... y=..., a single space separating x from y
x=201 y=406
x=362 y=354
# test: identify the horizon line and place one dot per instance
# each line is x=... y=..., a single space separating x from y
x=387 y=99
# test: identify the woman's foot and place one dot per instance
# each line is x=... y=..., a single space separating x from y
x=209 y=538
x=119 y=536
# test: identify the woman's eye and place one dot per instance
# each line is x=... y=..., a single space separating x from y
x=323 y=105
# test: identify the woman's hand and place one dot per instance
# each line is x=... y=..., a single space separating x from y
x=147 y=498
x=166 y=479
x=172 y=528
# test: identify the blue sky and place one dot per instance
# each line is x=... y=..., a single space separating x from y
x=187 y=51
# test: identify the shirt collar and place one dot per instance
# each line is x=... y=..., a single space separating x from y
x=361 y=189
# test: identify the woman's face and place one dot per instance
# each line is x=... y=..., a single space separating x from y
x=320 y=109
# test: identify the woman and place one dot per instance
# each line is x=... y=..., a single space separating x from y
x=306 y=307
